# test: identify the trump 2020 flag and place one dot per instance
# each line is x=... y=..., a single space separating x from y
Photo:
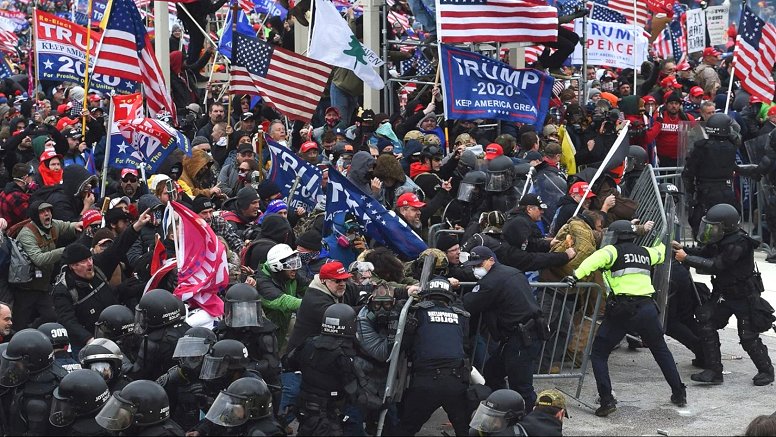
x=286 y=166
x=203 y=271
x=335 y=44
x=383 y=226
x=480 y=87
x=243 y=27
x=151 y=140
x=271 y=8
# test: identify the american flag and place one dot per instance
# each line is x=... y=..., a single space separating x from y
x=127 y=53
x=756 y=55
x=8 y=42
x=602 y=13
x=678 y=40
x=625 y=7
x=463 y=21
x=422 y=65
x=568 y=7
x=662 y=45
x=246 y=5
x=142 y=5
x=398 y=17
x=290 y=82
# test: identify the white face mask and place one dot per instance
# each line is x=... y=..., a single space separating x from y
x=480 y=272
x=221 y=141
x=283 y=143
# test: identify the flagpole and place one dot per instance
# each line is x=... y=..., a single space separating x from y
x=635 y=46
x=183 y=6
x=86 y=65
x=310 y=24
x=585 y=92
x=111 y=114
x=733 y=61
x=33 y=45
x=234 y=9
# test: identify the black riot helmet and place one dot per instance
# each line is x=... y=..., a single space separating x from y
x=637 y=159
x=438 y=287
x=339 y=320
x=720 y=220
x=719 y=126
x=472 y=184
x=466 y=163
x=28 y=352
x=501 y=174
x=503 y=408
x=114 y=323
x=56 y=333
x=242 y=307
x=224 y=356
x=157 y=309
x=80 y=393
x=102 y=356
x=245 y=399
x=669 y=189
x=140 y=403
x=618 y=232
x=193 y=346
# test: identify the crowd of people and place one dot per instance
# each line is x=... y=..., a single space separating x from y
x=95 y=342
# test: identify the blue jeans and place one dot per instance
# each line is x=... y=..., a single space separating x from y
x=344 y=102
x=646 y=323
x=425 y=13
x=292 y=385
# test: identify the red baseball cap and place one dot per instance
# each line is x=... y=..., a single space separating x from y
x=668 y=82
x=334 y=270
x=410 y=199
x=127 y=171
x=308 y=145
x=772 y=111
x=711 y=51
x=64 y=122
x=649 y=99
x=754 y=99
x=684 y=66
x=48 y=154
x=696 y=91
x=579 y=188
x=91 y=217
x=493 y=150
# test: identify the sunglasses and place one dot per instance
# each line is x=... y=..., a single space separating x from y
x=129 y=178
x=338 y=281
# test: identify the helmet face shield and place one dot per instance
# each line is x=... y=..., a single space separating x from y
x=500 y=181
x=103 y=368
x=292 y=263
x=13 y=372
x=62 y=412
x=190 y=347
x=466 y=191
x=242 y=314
x=140 y=321
x=710 y=232
x=116 y=415
x=213 y=368
x=228 y=410
x=488 y=420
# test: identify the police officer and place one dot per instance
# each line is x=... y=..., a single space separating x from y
x=117 y=323
x=627 y=268
x=637 y=161
x=513 y=318
x=184 y=389
x=438 y=347
x=57 y=334
x=501 y=193
x=160 y=320
x=499 y=414
x=79 y=397
x=471 y=193
x=104 y=357
x=328 y=375
x=727 y=252
x=141 y=408
x=28 y=366
x=245 y=409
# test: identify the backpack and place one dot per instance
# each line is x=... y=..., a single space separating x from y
x=21 y=269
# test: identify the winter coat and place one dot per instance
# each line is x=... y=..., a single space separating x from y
x=66 y=198
x=279 y=299
x=359 y=167
x=191 y=167
x=584 y=244
x=310 y=313
x=45 y=256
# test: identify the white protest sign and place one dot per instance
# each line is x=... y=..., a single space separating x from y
x=611 y=44
x=717 y=24
x=696 y=30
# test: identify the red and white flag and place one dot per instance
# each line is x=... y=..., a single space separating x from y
x=8 y=41
x=464 y=21
x=203 y=271
x=755 y=55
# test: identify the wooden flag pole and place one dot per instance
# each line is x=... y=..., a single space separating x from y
x=86 y=67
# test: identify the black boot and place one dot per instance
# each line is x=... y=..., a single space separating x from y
x=759 y=355
x=765 y=377
x=708 y=376
x=712 y=358
x=608 y=406
x=679 y=397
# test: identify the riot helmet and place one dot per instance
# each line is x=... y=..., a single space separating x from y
x=718 y=126
x=28 y=352
x=501 y=174
x=80 y=393
x=140 y=403
x=339 y=320
x=157 y=309
x=115 y=322
x=440 y=262
x=242 y=307
x=103 y=356
x=720 y=220
x=637 y=159
x=245 y=399
x=193 y=346
x=472 y=185
x=225 y=355
x=281 y=257
x=618 y=232
x=503 y=408
x=438 y=287
x=56 y=333
x=466 y=163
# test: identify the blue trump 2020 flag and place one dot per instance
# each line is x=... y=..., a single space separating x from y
x=480 y=87
x=383 y=226
x=243 y=28
x=285 y=167
x=272 y=8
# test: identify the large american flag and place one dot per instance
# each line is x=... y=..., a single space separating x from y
x=602 y=13
x=126 y=52
x=290 y=82
x=756 y=55
x=625 y=7
x=8 y=42
x=463 y=21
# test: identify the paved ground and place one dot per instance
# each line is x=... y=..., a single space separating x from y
x=644 y=406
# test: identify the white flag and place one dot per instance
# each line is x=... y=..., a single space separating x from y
x=334 y=43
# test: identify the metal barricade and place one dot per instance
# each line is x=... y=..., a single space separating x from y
x=435 y=230
x=573 y=317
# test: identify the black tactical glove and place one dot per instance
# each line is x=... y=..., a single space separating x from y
x=571 y=280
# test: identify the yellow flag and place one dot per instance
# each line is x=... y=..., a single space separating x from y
x=567 y=151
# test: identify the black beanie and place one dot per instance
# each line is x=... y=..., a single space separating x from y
x=276 y=228
x=245 y=196
x=267 y=189
x=310 y=240
x=445 y=241
x=74 y=253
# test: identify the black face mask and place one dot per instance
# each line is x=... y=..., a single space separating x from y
x=205 y=178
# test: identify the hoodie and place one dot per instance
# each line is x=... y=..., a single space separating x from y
x=310 y=313
x=192 y=165
x=66 y=198
x=359 y=173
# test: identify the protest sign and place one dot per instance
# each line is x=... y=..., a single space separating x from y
x=611 y=44
x=717 y=24
x=696 y=30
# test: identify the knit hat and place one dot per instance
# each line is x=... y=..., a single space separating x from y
x=267 y=189
x=199 y=140
x=245 y=196
x=310 y=240
x=674 y=97
x=112 y=216
x=201 y=203
x=102 y=234
x=74 y=253
x=445 y=241
x=91 y=217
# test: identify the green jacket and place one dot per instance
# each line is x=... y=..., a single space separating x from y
x=631 y=284
x=279 y=300
x=44 y=256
